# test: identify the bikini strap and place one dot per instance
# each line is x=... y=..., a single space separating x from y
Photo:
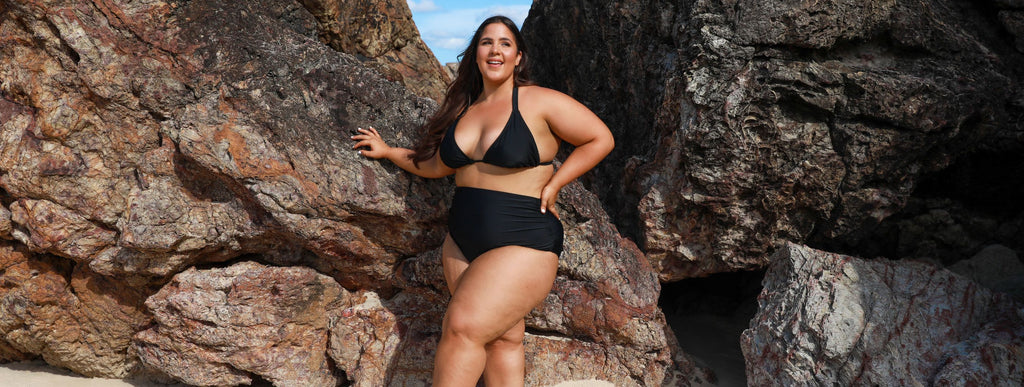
x=515 y=98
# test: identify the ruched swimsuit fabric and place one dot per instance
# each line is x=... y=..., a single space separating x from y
x=481 y=219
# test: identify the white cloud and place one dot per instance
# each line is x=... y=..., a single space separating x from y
x=447 y=31
x=451 y=43
x=423 y=6
x=515 y=12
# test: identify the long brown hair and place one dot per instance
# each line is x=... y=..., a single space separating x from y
x=465 y=89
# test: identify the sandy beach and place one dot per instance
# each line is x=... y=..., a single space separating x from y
x=40 y=374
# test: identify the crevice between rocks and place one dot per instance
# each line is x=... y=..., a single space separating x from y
x=709 y=314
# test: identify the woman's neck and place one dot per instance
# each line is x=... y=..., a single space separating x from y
x=496 y=89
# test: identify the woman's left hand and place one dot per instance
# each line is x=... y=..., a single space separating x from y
x=548 y=199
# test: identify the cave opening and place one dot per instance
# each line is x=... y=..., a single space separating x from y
x=709 y=314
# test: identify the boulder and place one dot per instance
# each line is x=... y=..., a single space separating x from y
x=170 y=134
x=222 y=326
x=71 y=317
x=826 y=318
x=997 y=268
x=388 y=342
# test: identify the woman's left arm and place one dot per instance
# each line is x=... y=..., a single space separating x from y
x=577 y=125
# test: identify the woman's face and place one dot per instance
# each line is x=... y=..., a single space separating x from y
x=496 y=53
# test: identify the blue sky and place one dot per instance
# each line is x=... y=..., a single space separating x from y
x=447 y=25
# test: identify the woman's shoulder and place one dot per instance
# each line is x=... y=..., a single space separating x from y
x=542 y=96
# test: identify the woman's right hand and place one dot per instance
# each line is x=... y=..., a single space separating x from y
x=371 y=139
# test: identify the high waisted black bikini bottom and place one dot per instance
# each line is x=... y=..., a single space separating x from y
x=481 y=220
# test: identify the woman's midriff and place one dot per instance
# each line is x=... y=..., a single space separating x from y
x=522 y=181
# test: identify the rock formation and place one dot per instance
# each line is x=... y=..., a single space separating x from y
x=66 y=314
x=888 y=128
x=180 y=200
x=382 y=32
x=746 y=123
x=218 y=326
x=831 y=319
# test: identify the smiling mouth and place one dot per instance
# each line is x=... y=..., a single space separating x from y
x=494 y=62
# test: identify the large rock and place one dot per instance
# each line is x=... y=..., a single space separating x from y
x=69 y=316
x=140 y=138
x=169 y=134
x=831 y=319
x=997 y=268
x=745 y=123
x=388 y=342
x=221 y=326
x=383 y=33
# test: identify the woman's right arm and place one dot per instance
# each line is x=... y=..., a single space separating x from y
x=432 y=168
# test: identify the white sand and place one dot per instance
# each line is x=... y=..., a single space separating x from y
x=39 y=374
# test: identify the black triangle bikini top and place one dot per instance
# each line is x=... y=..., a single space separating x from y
x=515 y=146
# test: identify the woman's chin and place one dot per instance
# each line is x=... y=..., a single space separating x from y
x=496 y=77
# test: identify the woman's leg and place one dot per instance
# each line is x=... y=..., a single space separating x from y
x=490 y=298
x=506 y=358
x=506 y=364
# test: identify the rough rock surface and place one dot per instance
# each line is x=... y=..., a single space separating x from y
x=198 y=132
x=384 y=34
x=606 y=301
x=992 y=357
x=831 y=319
x=68 y=315
x=776 y=120
x=220 y=326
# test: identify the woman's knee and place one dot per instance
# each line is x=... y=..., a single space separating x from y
x=511 y=339
x=464 y=324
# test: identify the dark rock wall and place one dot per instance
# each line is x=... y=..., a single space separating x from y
x=746 y=123
x=890 y=128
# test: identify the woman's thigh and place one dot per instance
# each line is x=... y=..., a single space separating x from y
x=453 y=263
x=499 y=288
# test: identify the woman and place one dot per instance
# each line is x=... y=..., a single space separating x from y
x=498 y=134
